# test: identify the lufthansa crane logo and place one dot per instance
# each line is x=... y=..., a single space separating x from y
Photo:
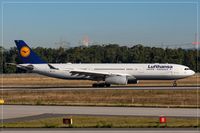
x=25 y=51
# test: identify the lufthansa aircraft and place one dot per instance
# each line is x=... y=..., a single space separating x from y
x=104 y=74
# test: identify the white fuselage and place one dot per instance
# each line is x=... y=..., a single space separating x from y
x=139 y=71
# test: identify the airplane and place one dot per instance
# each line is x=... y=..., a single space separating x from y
x=105 y=74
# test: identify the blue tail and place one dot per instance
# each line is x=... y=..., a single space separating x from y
x=26 y=54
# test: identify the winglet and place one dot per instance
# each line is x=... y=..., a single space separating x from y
x=26 y=54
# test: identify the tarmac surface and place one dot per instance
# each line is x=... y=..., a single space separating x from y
x=12 y=112
x=100 y=88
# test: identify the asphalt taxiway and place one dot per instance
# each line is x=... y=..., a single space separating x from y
x=101 y=88
x=16 y=111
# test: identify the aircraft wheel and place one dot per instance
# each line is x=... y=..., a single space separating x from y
x=101 y=84
x=174 y=84
x=95 y=85
x=107 y=85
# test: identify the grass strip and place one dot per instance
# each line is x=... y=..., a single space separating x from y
x=106 y=122
x=131 y=98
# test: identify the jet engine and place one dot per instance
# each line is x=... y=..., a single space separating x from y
x=116 y=79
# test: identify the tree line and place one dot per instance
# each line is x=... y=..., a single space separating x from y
x=111 y=53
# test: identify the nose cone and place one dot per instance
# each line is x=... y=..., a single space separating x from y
x=192 y=72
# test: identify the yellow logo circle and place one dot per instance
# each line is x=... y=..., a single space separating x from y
x=25 y=51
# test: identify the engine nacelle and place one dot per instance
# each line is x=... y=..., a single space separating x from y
x=132 y=80
x=120 y=80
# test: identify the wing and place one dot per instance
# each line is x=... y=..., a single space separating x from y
x=96 y=75
x=93 y=75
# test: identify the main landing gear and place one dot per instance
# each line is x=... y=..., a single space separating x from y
x=100 y=85
x=174 y=83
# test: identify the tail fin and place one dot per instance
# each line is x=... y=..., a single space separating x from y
x=26 y=54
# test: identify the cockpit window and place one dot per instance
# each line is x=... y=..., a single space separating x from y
x=187 y=69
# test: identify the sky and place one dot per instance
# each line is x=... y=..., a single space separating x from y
x=47 y=23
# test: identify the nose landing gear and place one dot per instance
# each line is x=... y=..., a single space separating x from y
x=174 y=83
